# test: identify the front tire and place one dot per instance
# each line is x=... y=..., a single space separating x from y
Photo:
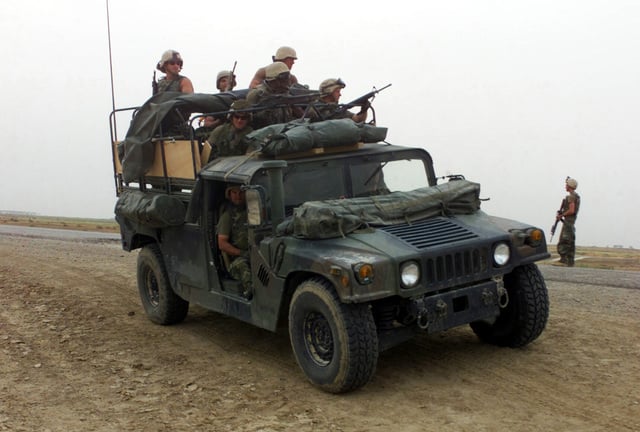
x=161 y=304
x=526 y=314
x=335 y=344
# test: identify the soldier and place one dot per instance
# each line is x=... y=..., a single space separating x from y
x=568 y=214
x=276 y=82
x=233 y=239
x=284 y=54
x=222 y=81
x=327 y=109
x=228 y=139
x=171 y=64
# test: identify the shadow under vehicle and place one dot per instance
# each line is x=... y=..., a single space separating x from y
x=356 y=246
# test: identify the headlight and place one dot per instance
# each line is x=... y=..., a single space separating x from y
x=501 y=254
x=410 y=274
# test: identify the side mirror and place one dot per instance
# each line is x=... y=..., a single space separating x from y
x=255 y=207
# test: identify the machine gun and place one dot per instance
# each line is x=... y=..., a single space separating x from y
x=555 y=224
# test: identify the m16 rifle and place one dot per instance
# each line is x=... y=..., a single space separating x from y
x=231 y=80
x=154 y=84
x=555 y=224
x=363 y=101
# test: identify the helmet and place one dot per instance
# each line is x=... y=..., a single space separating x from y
x=239 y=105
x=225 y=74
x=572 y=183
x=168 y=56
x=274 y=70
x=329 y=85
x=285 y=52
x=229 y=188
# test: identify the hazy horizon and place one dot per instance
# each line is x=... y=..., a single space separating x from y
x=513 y=95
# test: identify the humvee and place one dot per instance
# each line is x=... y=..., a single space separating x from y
x=356 y=247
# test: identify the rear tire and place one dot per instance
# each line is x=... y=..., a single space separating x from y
x=335 y=344
x=526 y=314
x=161 y=304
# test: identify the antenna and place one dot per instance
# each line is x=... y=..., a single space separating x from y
x=113 y=98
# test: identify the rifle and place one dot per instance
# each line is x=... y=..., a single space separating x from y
x=231 y=80
x=275 y=100
x=154 y=84
x=362 y=100
x=555 y=224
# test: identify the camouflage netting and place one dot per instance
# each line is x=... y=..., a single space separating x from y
x=155 y=211
x=168 y=112
x=337 y=218
x=300 y=136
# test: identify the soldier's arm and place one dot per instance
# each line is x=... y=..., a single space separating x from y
x=226 y=246
x=186 y=86
x=259 y=76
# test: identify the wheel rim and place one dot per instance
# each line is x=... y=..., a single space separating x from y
x=318 y=338
x=151 y=288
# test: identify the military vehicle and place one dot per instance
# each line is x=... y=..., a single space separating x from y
x=355 y=244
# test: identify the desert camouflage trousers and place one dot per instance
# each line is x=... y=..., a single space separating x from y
x=567 y=243
x=240 y=269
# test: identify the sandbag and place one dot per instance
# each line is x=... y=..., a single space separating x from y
x=152 y=210
x=337 y=218
x=300 y=136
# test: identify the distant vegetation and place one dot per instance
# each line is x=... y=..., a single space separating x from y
x=79 y=224
x=616 y=258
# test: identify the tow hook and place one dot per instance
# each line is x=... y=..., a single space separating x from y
x=503 y=295
x=425 y=316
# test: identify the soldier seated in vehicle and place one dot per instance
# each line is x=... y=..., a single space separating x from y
x=276 y=83
x=327 y=107
x=233 y=238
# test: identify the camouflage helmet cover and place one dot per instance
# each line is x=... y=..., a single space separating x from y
x=285 y=52
x=274 y=70
x=329 y=85
x=224 y=74
x=240 y=104
x=167 y=56
x=572 y=183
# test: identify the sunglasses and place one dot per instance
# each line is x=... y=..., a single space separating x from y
x=173 y=63
x=240 y=117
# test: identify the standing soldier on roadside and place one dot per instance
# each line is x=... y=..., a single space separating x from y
x=570 y=206
x=171 y=64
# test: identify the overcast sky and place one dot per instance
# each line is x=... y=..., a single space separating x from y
x=515 y=95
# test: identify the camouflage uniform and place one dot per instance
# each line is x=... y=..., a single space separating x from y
x=233 y=223
x=165 y=85
x=567 y=244
x=268 y=117
x=226 y=140
x=328 y=111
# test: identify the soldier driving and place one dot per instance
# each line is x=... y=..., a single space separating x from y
x=233 y=238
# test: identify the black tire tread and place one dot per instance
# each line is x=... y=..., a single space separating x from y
x=172 y=309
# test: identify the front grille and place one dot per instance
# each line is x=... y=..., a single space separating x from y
x=445 y=264
x=456 y=265
x=429 y=233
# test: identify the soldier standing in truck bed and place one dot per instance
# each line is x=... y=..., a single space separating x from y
x=284 y=54
x=171 y=64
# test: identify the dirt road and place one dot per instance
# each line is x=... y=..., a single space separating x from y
x=78 y=354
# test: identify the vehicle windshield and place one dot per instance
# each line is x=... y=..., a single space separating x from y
x=350 y=178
